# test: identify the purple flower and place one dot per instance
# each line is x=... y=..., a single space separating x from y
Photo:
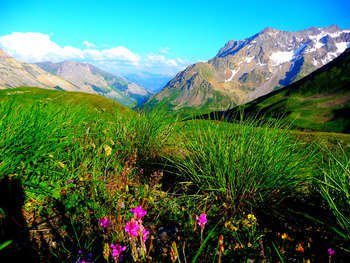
x=104 y=222
x=201 y=220
x=145 y=233
x=117 y=250
x=138 y=212
x=331 y=252
x=132 y=228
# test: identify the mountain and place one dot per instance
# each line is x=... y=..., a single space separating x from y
x=15 y=74
x=153 y=82
x=95 y=80
x=320 y=101
x=244 y=70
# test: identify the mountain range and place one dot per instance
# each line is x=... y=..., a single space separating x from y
x=319 y=101
x=15 y=74
x=70 y=76
x=244 y=70
x=95 y=80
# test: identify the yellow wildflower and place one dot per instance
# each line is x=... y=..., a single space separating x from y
x=108 y=150
x=60 y=164
x=106 y=251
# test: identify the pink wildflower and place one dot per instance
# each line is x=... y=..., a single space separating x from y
x=104 y=222
x=144 y=234
x=331 y=252
x=132 y=228
x=202 y=220
x=138 y=212
x=117 y=250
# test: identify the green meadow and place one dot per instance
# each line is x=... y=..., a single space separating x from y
x=73 y=165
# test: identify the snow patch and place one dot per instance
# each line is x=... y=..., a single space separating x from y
x=281 y=57
x=316 y=39
x=337 y=34
x=260 y=64
x=331 y=55
x=342 y=46
x=234 y=72
x=310 y=50
x=318 y=45
x=249 y=59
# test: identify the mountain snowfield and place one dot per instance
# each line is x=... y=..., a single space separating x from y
x=247 y=69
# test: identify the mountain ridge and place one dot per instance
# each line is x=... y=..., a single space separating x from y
x=246 y=69
x=14 y=73
x=99 y=81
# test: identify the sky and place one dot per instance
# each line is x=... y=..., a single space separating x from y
x=161 y=37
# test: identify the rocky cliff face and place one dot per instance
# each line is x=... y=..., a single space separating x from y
x=244 y=70
x=15 y=74
x=94 y=80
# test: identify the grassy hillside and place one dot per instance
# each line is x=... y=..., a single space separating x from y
x=32 y=95
x=80 y=175
x=320 y=101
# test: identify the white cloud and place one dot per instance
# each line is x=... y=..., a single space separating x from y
x=164 y=50
x=37 y=47
x=88 y=44
x=121 y=53
x=161 y=60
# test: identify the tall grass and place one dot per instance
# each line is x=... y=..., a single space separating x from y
x=246 y=163
x=49 y=141
x=32 y=134
x=335 y=189
x=147 y=133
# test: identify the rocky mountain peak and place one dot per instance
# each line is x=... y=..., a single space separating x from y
x=270 y=30
x=248 y=68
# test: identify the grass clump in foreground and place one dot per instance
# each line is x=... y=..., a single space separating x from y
x=83 y=183
x=246 y=164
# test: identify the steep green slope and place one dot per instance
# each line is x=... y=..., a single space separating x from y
x=320 y=101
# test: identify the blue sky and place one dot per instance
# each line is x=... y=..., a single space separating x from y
x=154 y=36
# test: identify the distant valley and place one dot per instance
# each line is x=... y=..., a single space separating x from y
x=152 y=82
